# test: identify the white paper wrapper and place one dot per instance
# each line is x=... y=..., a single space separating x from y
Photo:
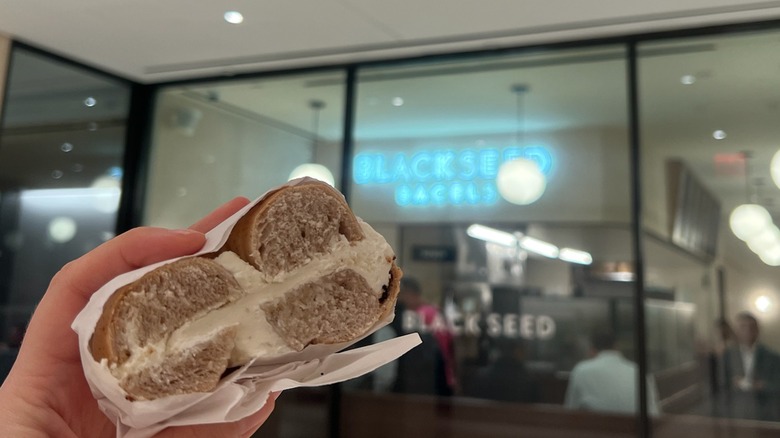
x=239 y=394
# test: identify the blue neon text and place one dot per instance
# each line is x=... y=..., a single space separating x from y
x=445 y=176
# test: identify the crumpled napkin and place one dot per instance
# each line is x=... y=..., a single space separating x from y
x=243 y=391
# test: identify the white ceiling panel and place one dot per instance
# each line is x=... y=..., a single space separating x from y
x=478 y=19
x=175 y=39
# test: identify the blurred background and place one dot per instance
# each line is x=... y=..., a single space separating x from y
x=583 y=197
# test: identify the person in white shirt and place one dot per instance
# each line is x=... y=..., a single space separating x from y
x=753 y=374
x=607 y=382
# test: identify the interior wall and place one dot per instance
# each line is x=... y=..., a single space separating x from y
x=747 y=277
x=692 y=281
x=227 y=155
x=551 y=277
x=433 y=276
x=577 y=190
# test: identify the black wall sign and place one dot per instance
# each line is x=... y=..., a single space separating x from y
x=433 y=253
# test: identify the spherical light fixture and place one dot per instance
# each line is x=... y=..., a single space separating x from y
x=774 y=168
x=748 y=220
x=764 y=240
x=62 y=229
x=313 y=170
x=520 y=181
x=771 y=256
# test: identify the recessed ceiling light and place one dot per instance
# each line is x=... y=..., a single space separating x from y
x=90 y=101
x=56 y=174
x=397 y=101
x=66 y=147
x=234 y=17
x=688 y=79
x=719 y=134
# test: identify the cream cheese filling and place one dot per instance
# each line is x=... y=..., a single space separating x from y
x=371 y=257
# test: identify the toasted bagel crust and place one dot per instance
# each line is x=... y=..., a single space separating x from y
x=283 y=232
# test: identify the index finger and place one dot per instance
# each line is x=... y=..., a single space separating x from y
x=220 y=214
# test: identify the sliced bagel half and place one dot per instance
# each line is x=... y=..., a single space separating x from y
x=298 y=269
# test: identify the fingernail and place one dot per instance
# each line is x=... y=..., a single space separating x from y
x=187 y=232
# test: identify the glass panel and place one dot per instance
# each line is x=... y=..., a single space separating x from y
x=503 y=185
x=215 y=141
x=709 y=109
x=61 y=149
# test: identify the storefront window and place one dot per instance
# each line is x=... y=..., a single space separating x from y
x=61 y=148
x=215 y=141
x=503 y=184
x=708 y=114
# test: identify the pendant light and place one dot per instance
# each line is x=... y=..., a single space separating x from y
x=752 y=223
x=750 y=219
x=766 y=243
x=314 y=169
x=774 y=168
x=520 y=181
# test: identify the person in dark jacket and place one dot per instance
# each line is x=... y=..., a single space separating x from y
x=752 y=374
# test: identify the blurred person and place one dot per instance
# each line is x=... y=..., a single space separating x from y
x=608 y=381
x=752 y=373
x=410 y=299
x=46 y=393
x=507 y=379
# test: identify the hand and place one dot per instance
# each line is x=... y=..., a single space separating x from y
x=46 y=393
x=742 y=383
x=747 y=385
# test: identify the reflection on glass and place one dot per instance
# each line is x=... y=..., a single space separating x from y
x=510 y=230
x=710 y=241
x=56 y=200
x=214 y=141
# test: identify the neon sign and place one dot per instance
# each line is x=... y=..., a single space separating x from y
x=445 y=176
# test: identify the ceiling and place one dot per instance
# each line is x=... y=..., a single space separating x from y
x=151 y=41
